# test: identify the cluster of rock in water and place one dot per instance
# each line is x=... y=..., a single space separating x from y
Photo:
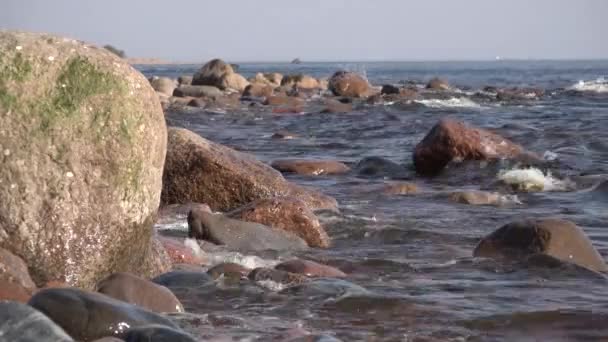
x=87 y=160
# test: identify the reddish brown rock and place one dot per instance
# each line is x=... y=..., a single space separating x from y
x=452 y=140
x=282 y=100
x=229 y=270
x=438 y=84
x=179 y=252
x=309 y=268
x=289 y=214
x=400 y=188
x=349 y=84
x=141 y=292
x=559 y=239
x=172 y=212
x=310 y=166
x=198 y=170
x=258 y=90
x=337 y=107
x=15 y=281
x=300 y=81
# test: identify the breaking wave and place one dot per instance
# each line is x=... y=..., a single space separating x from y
x=599 y=85
x=454 y=102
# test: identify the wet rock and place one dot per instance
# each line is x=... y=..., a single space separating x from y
x=84 y=170
x=236 y=82
x=286 y=213
x=22 y=323
x=380 y=167
x=197 y=103
x=274 y=77
x=177 y=279
x=198 y=170
x=328 y=287
x=213 y=74
x=451 y=140
x=185 y=80
x=438 y=84
x=163 y=85
x=109 y=339
x=197 y=91
x=228 y=270
x=310 y=167
x=315 y=338
x=300 y=81
x=141 y=292
x=277 y=276
x=344 y=83
x=15 y=281
x=258 y=90
x=240 y=235
x=169 y=212
x=179 y=252
x=270 y=79
x=400 y=188
x=389 y=89
x=88 y=316
x=309 y=268
x=283 y=100
x=560 y=239
x=519 y=94
x=474 y=197
x=157 y=333
x=337 y=107
x=284 y=134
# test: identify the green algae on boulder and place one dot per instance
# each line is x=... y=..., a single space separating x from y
x=82 y=148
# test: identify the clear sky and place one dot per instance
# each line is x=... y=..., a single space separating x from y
x=280 y=30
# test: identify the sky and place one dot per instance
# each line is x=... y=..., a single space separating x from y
x=325 y=30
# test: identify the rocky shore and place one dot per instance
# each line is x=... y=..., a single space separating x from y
x=89 y=166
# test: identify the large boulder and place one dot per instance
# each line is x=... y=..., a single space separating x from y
x=451 y=140
x=15 y=281
x=240 y=235
x=219 y=74
x=287 y=213
x=559 y=239
x=141 y=292
x=350 y=84
x=87 y=316
x=198 y=170
x=22 y=323
x=83 y=141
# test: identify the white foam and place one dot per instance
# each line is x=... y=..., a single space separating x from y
x=249 y=261
x=453 y=102
x=533 y=179
x=599 y=85
x=271 y=285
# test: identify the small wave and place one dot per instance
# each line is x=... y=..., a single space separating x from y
x=533 y=179
x=249 y=261
x=271 y=285
x=599 y=85
x=453 y=102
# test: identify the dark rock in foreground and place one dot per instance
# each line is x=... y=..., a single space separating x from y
x=240 y=235
x=560 y=239
x=452 y=140
x=87 y=316
x=198 y=170
x=22 y=323
x=83 y=153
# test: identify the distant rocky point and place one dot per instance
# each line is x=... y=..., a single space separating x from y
x=296 y=61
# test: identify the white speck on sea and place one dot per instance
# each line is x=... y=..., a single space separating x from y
x=51 y=58
x=69 y=174
x=19 y=47
x=7 y=152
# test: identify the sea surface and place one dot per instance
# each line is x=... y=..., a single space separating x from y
x=412 y=276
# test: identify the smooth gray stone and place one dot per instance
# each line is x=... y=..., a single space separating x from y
x=197 y=91
x=22 y=323
x=88 y=316
x=240 y=235
x=157 y=333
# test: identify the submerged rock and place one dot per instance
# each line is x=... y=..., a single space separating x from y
x=83 y=154
x=310 y=166
x=475 y=197
x=389 y=89
x=337 y=107
x=22 y=323
x=380 y=167
x=400 y=188
x=451 y=140
x=560 y=239
x=15 y=281
x=284 y=134
x=157 y=333
x=277 y=276
x=344 y=83
x=309 y=268
x=198 y=170
x=228 y=270
x=141 y=292
x=286 y=213
x=240 y=235
x=87 y=316
x=177 y=279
